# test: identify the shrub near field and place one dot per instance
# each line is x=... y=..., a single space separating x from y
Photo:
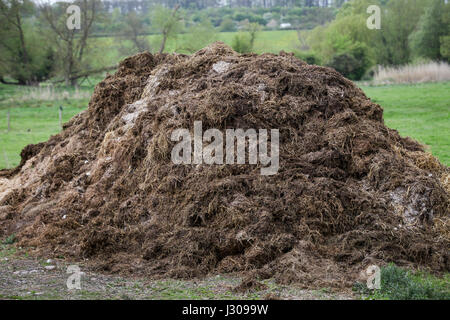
x=402 y=284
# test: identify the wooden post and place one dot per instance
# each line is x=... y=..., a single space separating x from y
x=60 y=116
x=8 y=116
x=6 y=159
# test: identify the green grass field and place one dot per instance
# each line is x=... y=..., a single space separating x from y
x=31 y=121
x=419 y=111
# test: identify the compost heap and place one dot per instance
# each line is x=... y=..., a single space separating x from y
x=349 y=192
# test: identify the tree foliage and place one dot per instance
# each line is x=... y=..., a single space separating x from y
x=425 y=42
x=24 y=56
x=197 y=36
x=72 y=44
x=167 y=22
x=135 y=29
x=242 y=43
x=409 y=29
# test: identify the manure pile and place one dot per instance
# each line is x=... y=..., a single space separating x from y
x=349 y=191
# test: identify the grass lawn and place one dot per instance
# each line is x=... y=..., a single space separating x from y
x=419 y=111
x=31 y=121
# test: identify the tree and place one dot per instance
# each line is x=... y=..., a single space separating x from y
x=253 y=29
x=72 y=43
x=197 y=36
x=389 y=46
x=425 y=42
x=398 y=23
x=133 y=30
x=227 y=25
x=353 y=63
x=167 y=22
x=23 y=56
x=348 y=29
x=445 y=39
x=244 y=41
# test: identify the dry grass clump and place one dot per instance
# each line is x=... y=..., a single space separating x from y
x=50 y=93
x=413 y=73
x=445 y=180
x=426 y=161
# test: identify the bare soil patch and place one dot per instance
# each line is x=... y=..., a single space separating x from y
x=26 y=278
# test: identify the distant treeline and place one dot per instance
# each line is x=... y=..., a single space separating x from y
x=412 y=31
x=36 y=45
x=229 y=14
x=126 y=6
x=227 y=19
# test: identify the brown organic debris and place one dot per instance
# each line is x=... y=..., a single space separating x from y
x=349 y=192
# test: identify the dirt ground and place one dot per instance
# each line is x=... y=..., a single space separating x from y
x=23 y=277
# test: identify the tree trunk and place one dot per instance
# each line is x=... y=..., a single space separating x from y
x=163 y=43
x=22 y=40
x=166 y=32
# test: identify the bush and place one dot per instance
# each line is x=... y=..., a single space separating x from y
x=354 y=63
x=10 y=239
x=308 y=57
x=345 y=64
x=242 y=43
x=401 y=284
x=227 y=25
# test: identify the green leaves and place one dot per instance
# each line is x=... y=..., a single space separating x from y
x=401 y=284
